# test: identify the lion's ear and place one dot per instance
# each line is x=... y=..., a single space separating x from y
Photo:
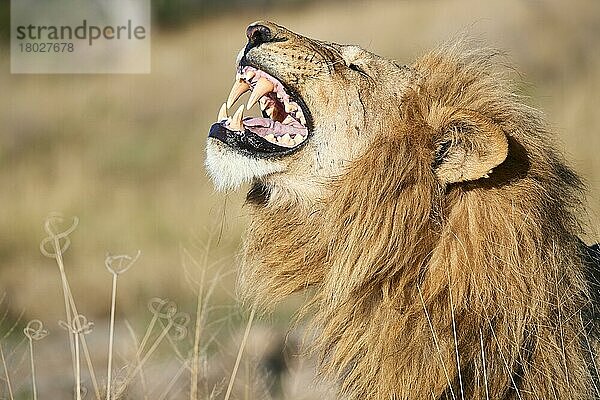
x=468 y=145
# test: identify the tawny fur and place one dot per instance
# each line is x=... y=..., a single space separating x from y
x=428 y=290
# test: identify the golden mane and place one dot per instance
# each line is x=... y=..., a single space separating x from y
x=427 y=290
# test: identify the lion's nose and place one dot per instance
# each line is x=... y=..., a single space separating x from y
x=258 y=34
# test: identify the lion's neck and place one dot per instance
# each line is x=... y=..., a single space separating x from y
x=283 y=251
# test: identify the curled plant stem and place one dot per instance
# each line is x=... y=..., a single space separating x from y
x=10 y=392
x=115 y=269
x=34 y=331
x=156 y=307
x=179 y=332
x=79 y=327
x=53 y=240
x=239 y=355
x=56 y=253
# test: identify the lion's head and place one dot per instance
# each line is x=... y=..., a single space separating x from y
x=323 y=104
x=427 y=207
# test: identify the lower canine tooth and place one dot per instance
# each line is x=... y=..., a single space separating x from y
x=222 y=113
x=263 y=103
x=236 y=121
x=270 y=137
x=288 y=120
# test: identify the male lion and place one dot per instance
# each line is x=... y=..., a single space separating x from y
x=429 y=210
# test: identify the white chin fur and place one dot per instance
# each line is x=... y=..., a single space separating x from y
x=229 y=169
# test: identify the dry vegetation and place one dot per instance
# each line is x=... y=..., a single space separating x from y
x=125 y=154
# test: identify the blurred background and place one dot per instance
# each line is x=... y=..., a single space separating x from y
x=124 y=153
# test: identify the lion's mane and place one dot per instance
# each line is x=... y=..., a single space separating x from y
x=431 y=291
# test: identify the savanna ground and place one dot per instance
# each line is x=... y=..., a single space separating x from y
x=124 y=153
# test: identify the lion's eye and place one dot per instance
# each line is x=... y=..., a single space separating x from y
x=355 y=67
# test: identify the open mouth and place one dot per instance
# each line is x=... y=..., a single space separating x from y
x=282 y=127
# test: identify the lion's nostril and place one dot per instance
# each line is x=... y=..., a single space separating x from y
x=258 y=34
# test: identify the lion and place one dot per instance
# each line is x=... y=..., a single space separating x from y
x=427 y=209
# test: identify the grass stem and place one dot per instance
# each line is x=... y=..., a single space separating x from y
x=111 y=335
x=10 y=392
x=77 y=368
x=239 y=355
x=33 y=383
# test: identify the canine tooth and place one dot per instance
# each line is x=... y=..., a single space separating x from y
x=288 y=120
x=263 y=86
x=236 y=121
x=298 y=139
x=270 y=137
x=222 y=113
x=238 y=89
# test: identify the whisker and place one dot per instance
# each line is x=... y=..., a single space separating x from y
x=435 y=342
x=462 y=395
x=592 y=357
x=512 y=379
x=487 y=394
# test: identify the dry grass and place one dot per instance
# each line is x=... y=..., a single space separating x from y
x=125 y=154
x=174 y=358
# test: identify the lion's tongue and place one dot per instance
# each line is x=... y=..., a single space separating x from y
x=265 y=126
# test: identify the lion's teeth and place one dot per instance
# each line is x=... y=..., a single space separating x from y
x=236 y=121
x=290 y=107
x=298 y=139
x=263 y=86
x=286 y=139
x=300 y=116
x=222 y=113
x=270 y=137
x=239 y=88
x=288 y=120
x=263 y=103
x=249 y=75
